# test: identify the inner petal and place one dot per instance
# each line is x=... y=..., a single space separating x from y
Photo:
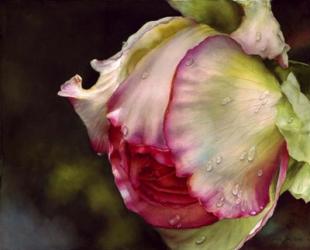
x=139 y=104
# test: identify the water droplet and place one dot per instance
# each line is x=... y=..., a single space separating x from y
x=125 y=130
x=226 y=100
x=235 y=189
x=260 y=173
x=264 y=95
x=200 y=240
x=253 y=213
x=238 y=201
x=220 y=202
x=124 y=193
x=175 y=220
x=243 y=206
x=240 y=194
x=251 y=154
x=145 y=75
x=261 y=207
x=290 y=120
x=243 y=156
x=179 y=225
x=218 y=159
x=265 y=101
x=258 y=108
x=258 y=36
x=99 y=153
x=263 y=49
x=209 y=166
x=189 y=62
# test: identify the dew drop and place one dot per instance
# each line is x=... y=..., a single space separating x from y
x=226 y=100
x=261 y=207
x=258 y=108
x=179 y=225
x=243 y=156
x=264 y=95
x=218 y=159
x=240 y=194
x=290 y=120
x=235 y=189
x=175 y=220
x=238 y=201
x=258 y=36
x=99 y=154
x=209 y=166
x=125 y=130
x=189 y=62
x=200 y=240
x=220 y=202
x=251 y=154
x=145 y=75
x=260 y=173
x=253 y=213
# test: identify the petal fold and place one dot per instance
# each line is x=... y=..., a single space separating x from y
x=260 y=33
x=139 y=104
x=220 y=127
x=90 y=104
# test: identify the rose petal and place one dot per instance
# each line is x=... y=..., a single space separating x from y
x=220 y=127
x=228 y=233
x=90 y=104
x=260 y=33
x=139 y=104
x=154 y=205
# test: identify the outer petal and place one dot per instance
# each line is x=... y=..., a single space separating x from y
x=229 y=233
x=293 y=120
x=139 y=104
x=220 y=127
x=168 y=207
x=90 y=104
x=259 y=33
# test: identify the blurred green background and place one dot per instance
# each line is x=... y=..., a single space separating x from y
x=56 y=194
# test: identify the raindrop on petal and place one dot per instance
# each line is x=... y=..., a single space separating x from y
x=238 y=201
x=220 y=202
x=264 y=95
x=175 y=220
x=218 y=159
x=209 y=166
x=235 y=189
x=258 y=36
x=189 y=62
x=260 y=173
x=253 y=213
x=251 y=153
x=200 y=240
x=243 y=156
x=125 y=131
x=226 y=100
x=290 y=120
x=145 y=75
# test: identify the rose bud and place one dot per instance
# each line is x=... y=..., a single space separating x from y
x=189 y=119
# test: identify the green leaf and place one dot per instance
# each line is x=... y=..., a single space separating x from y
x=293 y=119
x=302 y=73
x=297 y=180
x=224 y=15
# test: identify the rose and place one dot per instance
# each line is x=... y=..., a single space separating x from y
x=190 y=123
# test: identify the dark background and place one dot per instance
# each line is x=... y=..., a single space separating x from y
x=56 y=194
